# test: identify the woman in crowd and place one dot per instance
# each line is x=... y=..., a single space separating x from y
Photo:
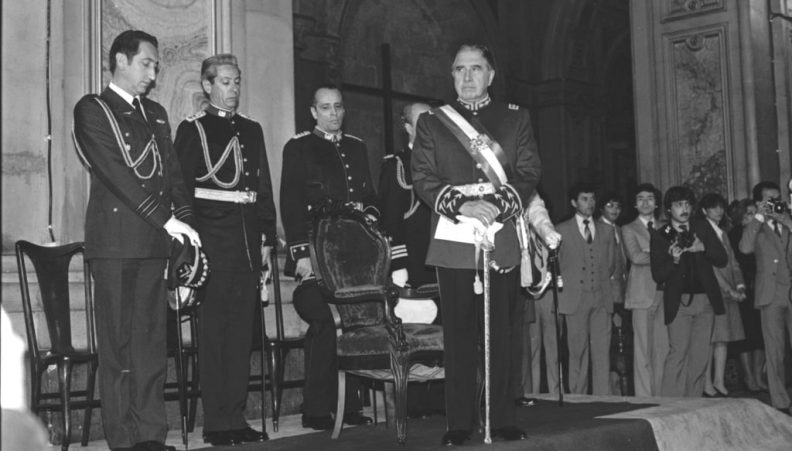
x=728 y=327
x=751 y=350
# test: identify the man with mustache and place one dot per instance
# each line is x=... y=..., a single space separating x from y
x=225 y=167
x=682 y=256
x=138 y=202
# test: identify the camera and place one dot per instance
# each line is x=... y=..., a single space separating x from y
x=685 y=239
x=776 y=205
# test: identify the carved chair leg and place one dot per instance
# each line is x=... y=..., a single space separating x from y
x=64 y=370
x=401 y=372
x=89 y=396
x=339 y=419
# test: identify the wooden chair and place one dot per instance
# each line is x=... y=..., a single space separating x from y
x=351 y=259
x=51 y=265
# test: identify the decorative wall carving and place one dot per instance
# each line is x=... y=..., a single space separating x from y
x=184 y=29
x=679 y=9
x=700 y=112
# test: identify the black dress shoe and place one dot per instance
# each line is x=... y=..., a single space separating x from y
x=318 y=423
x=522 y=401
x=455 y=437
x=248 y=435
x=509 y=433
x=153 y=445
x=219 y=438
x=356 y=419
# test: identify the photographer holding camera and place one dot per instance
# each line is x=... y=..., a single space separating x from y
x=682 y=255
x=767 y=236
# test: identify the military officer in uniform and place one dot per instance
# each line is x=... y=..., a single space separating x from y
x=138 y=201
x=225 y=165
x=460 y=188
x=319 y=164
x=404 y=216
x=407 y=219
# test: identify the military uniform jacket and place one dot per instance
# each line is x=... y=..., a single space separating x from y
x=440 y=162
x=231 y=232
x=674 y=277
x=405 y=217
x=316 y=168
x=136 y=180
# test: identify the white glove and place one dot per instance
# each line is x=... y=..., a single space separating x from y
x=176 y=229
x=399 y=277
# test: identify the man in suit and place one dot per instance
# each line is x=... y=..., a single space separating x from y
x=767 y=236
x=470 y=192
x=587 y=262
x=610 y=208
x=225 y=166
x=682 y=256
x=319 y=164
x=138 y=201
x=644 y=296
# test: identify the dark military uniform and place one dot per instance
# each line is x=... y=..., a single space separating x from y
x=136 y=186
x=225 y=166
x=405 y=218
x=440 y=165
x=317 y=165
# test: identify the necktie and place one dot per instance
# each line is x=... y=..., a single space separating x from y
x=138 y=108
x=587 y=231
x=683 y=227
x=650 y=226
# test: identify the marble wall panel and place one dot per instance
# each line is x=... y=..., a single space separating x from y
x=700 y=112
x=184 y=29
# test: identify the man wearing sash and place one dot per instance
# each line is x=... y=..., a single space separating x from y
x=225 y=165
x=138 y=201
x=475 y=162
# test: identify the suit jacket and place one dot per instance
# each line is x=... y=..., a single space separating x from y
x=134 y=189
x=730 y=276
x=231 y=233
x=772 y=256
x=641 y=287
x=618 y=280
x=582 y=268
x=440 y=162
x=675 y=276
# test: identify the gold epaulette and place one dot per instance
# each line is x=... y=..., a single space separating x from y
x=300 y=135
x=195 y=116
x=353 y=137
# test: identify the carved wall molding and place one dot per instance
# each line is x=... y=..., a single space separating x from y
x=683 y=9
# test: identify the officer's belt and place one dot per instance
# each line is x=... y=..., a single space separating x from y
x=237 y=197
x=475 y=189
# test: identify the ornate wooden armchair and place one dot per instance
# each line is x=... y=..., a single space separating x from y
x=351 y=259
x=58 y=345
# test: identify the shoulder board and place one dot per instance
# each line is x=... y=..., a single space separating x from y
x=514 y=107
x=195 y=116
x=353 y=137
x=300 y=135
x=245 y=116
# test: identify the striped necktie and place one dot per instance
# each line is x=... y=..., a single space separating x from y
x=587 y=231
